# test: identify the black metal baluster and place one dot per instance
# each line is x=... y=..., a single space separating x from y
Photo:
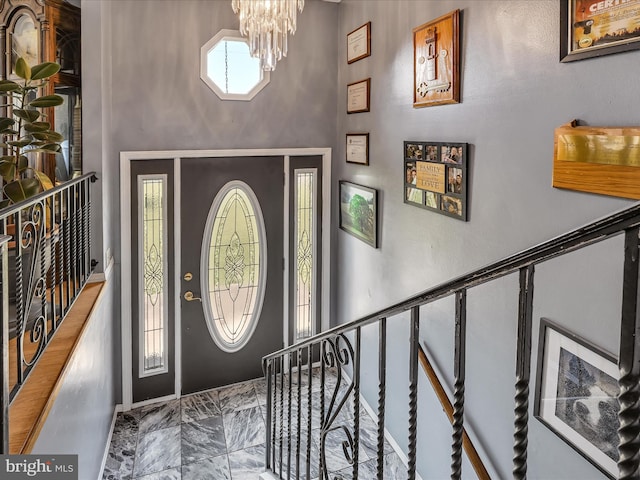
x=322 y=466
x=356 y=404
x=20 y=304
x=629 y=362
x=281 y=411
x=299 y=433
x=44 y=239
x=53 y=273
x=458 y=388
x=382 y=392
x=289 y=391
x=309 y=402
x=523 y=372
x=83 y=234
x=413 y=391
x=68 y=277
x=268 y=433
x=274 y=409
x=76 y=242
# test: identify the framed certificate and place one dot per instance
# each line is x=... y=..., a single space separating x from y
x=358 y=95
x=358 y=148
x=359 y=43
x=590 y=28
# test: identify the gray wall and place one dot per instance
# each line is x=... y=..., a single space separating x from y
x=80 y=419
x=514 y=93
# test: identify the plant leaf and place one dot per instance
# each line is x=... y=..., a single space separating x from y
x=47 y=101
x=23 y=70
x=8 y=86
x=44 y=70
x=29 y=115
x=23 y=162
x=49 y=147
x=8 y=171
x=37 y=127
x=44 y=180
x=6 y=122
x=20 y=143
x=19 y=190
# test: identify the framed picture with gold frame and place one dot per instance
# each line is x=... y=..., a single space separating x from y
x=436 y=61
x=590 y=28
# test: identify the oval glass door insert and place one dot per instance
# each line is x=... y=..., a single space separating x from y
x=233 y=266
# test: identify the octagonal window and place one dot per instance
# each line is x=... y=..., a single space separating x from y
x=228 y=69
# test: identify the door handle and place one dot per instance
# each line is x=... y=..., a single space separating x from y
x=188 y=296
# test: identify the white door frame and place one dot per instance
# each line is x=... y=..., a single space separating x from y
x=126 y=247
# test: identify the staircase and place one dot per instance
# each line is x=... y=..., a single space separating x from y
x=314 y=387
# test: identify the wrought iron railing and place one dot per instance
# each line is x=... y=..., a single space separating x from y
x=47 y=264
x=339 y=351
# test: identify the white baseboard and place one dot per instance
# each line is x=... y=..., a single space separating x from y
x=105 y=456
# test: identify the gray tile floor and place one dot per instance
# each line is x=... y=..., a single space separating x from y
x=220 y=435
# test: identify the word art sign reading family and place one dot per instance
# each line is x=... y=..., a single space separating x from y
x=435 y=177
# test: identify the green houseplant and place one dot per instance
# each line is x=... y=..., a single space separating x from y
x=26 y=130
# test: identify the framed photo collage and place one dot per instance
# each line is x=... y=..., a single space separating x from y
x=435 y=177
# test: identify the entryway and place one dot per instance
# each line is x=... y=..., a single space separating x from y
x=224 y=260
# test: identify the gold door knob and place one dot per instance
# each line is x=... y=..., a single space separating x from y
x=188 y=276
x=188 y=296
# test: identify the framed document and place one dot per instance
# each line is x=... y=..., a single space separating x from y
x=358 y=148
x=358 y=95
x=590 y=28
x=359 y=43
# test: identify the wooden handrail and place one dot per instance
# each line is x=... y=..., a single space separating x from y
x=474 y=458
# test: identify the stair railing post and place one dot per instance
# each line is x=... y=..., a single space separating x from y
x=413 y=391
x=523 y=373
x=458 y=388
x=382 y=392
x=629 y=362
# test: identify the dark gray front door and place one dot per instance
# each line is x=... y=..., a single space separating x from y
x=217 y=198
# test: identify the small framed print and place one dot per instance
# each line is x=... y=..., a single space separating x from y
x=577 y=395
x=357 y=150
x=358 y=96
x=359 y=43
x=590 y=28
x=435 y=177
x=436 y=61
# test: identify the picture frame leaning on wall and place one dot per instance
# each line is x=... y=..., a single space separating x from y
x=576 y=395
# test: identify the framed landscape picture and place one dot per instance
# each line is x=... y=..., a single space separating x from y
x=576 y=395
x=359 y=212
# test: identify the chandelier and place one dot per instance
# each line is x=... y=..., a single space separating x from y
x=267 y=23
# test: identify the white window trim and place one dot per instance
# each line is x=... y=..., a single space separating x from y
x=223 y=35
x=314 y=256
x=165 y=279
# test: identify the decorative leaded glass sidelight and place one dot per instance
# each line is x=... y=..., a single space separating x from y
x=152 y=254
x=233 y=266
x=305 y=208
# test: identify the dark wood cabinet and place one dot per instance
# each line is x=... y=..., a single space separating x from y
x=49 y=31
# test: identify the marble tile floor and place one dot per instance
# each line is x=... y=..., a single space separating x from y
x=220 y=435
